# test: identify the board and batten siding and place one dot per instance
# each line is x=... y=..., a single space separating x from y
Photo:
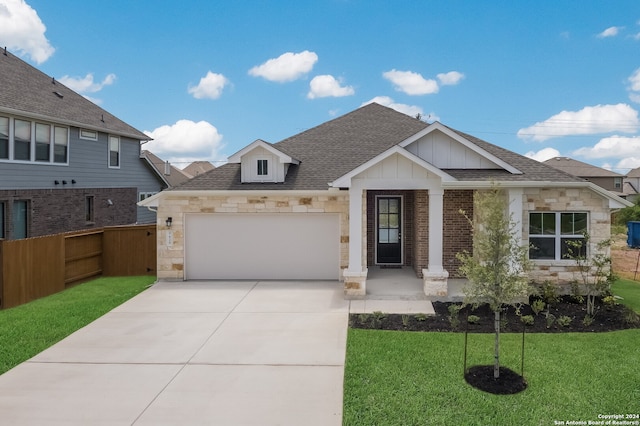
x=88 y=166
x=446 y=153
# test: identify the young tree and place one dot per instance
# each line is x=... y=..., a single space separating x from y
x=496 y=270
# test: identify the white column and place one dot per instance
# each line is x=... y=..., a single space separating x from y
x=355 y=276
x=515 y=210
x=436 y=225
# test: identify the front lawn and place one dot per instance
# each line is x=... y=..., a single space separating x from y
x=28 y=329
x=416 y=378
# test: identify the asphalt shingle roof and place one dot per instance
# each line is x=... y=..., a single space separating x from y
x=27 y=90
x=332 y=149
x=578 y=168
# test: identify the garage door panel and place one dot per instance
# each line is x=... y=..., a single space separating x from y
x=262 y=246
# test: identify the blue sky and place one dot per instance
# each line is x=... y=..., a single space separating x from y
x=206 y=78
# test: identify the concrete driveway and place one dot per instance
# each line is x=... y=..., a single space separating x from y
x=196 y=353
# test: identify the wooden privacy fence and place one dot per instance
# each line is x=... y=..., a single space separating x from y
x=36 y=267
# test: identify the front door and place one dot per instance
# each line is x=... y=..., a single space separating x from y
x=389 y=230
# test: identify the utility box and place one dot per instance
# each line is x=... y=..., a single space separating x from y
x=633 y=234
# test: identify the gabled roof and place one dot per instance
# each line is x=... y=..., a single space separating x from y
x=29 y=92
x=635 y=173
x=197 y=168
x=578 y=168
x=283 y=156
x=337 y=147
x=174 y=177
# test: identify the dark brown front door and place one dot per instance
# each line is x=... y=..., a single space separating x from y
x=389 y=230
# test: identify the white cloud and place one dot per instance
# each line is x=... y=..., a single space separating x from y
x=286 y=67
x=411 y=110
x=450 y=78
x=411 y=82
x=634 y=87
x=612 y=147
x=589 y=120
x=22 y=30
x=185 y=141
x=627 y=164
x=86 y=84
x=323 y=86
x=543 y=155
x=610 y=32
x=210 y=86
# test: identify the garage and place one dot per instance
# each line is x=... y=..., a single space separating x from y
x=262 y=246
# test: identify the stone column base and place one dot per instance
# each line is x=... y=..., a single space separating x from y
x=435 y=282
x=355 y=284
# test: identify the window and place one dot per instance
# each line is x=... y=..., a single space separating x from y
x=617 y=183
x=2 y=220
x=550 y=233
x=4 y=138
x=263 y=167
x=114 y=151
x=20 y=218
x=145 y=195
x=43 y=142
x=90 y=135
x=88 y=208
x=21 y=140
x=61 y=145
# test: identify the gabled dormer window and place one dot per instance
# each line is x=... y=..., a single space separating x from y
x=263 y=167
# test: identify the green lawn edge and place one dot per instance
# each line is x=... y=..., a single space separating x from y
x=28 y=329
x=629 y=291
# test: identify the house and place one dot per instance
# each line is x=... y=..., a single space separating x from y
x=611 y=181
x=65 y=163
x=370 y=189
x=172 y=176
x=197 y=167
x=631 y=185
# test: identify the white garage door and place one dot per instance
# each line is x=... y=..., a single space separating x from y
x=262 y=246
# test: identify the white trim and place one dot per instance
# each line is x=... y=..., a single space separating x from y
x=467 y=143
x=109 y=152
x=345 y=181
x=284 y=158
x=87 y=138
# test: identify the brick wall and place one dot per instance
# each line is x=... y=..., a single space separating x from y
x=457 y=230
x=421 y=234
x=52 y=211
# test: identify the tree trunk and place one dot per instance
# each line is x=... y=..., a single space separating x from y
x=496 y=351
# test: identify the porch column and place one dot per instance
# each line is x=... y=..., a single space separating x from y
x=435 y=276
x=515 y=209
x=355 y=276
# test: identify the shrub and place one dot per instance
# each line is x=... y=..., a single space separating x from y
x=376 y=318
x=538 y=306
x=550 y=319
x=454 y=310
x=420 y=317
x=587 y=320
x=405 y=320
x=564 y=321
x=473 y=319
x=609 y=301
x=527 y=319
x=550 y=292
x=630 y=316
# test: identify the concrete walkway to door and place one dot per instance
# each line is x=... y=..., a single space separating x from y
x=195 y=353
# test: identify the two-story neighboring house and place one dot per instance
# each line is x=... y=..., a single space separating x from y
x=632 y=185
x=65 y=163
x=611 y=181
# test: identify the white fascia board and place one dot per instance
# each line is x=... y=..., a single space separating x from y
x=284 y=158
x=467 y=143
x=615 y=202
x=345 y=180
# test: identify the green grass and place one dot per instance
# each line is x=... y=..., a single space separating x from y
x=629 y=291
x=28 y=329
x=412 y=378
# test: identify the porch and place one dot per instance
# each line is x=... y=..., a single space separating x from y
x=401 y=283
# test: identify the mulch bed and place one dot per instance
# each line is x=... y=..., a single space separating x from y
x=607 y=318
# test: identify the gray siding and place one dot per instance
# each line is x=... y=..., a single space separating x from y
x=88 y=166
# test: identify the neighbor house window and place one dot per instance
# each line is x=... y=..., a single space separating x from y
x=61 y=145
x=114 y=151
x=88 y=208
x=263 y=167
x=90 y=135
x=4 y=138
x=550 y=233
x=21 y=140
x=20 y=217
x=617 y=183
x=2 y=204
x=43 y=142
x=145 y=195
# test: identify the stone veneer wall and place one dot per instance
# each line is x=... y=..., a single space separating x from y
x=171 y=259
x=563 y=272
